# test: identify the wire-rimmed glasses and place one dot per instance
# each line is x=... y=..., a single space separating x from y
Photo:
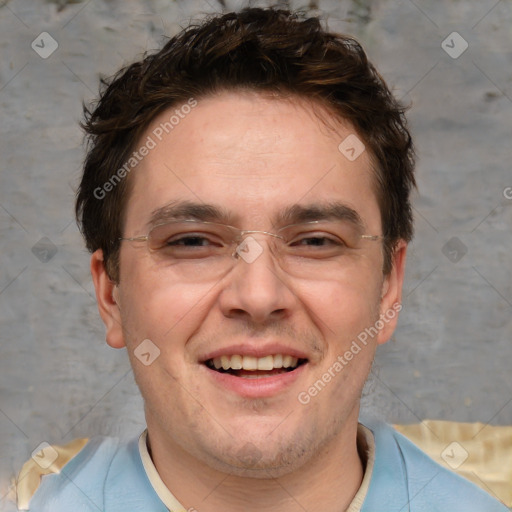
x=200 y=250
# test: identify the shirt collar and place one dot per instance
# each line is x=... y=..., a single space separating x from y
x=365 y=447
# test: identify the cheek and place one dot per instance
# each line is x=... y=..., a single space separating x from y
x=152 y=307
x=168 y=315
x=342 y=308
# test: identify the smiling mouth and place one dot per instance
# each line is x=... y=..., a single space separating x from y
x=251 y=367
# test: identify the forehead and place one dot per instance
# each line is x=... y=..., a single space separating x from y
x=252 y=156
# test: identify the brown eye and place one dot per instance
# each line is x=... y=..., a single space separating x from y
x=317 y=241
x=189 y=241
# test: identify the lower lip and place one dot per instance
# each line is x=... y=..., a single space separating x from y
x=256 y=388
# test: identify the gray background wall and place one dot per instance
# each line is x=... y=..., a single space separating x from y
x=451 y=354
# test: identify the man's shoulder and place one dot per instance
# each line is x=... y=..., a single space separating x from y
x=102 y=473
x=405 y=478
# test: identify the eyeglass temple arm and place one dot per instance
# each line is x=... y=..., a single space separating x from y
x=135 y=239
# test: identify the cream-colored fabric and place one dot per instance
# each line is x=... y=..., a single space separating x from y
x=481 y=453
x=49 y=459
x=366 y=445
x=158 y=485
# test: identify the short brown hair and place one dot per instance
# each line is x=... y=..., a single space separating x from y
x=267 y=50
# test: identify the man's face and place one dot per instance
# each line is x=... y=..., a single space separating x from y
x=253 y=159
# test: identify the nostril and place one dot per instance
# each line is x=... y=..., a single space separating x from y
x=238 y=313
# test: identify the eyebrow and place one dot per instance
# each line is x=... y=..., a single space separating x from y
x=294 y=214
x=180 y=210
x=298 y=213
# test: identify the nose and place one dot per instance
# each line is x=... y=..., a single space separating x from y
x=256 y=289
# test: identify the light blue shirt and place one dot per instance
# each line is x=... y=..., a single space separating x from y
x=109 y=476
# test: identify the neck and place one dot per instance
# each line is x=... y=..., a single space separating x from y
x=326 y=482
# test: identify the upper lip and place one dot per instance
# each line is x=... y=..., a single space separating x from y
x=255 y=350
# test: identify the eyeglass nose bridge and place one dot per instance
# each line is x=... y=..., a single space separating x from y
x=239 y=241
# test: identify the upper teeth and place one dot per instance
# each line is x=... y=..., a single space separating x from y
x=237 y=362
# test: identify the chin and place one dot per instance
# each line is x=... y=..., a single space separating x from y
x=263 y=459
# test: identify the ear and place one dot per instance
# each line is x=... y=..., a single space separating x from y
x=106 y=291
x=391 y=301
